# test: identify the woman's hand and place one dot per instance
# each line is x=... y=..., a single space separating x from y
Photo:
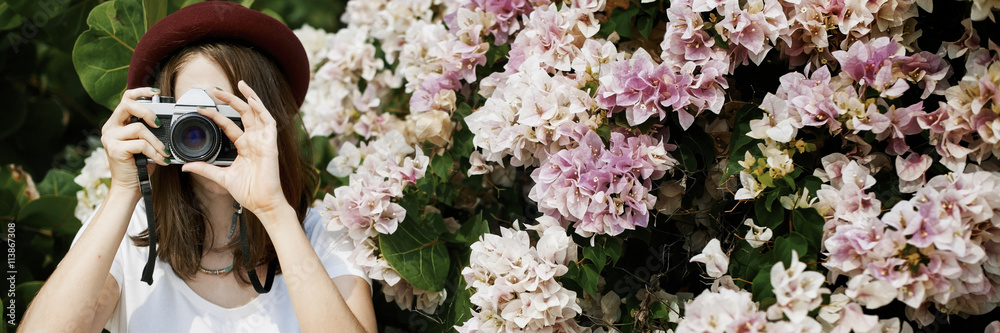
x=122 y=139
x=252 y=179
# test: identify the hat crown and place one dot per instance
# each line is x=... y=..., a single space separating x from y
x=221 y=21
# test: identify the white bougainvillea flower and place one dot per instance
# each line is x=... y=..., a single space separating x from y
x=716 y=262
x=797 y=291
x=798 y=200
x=872 y=293
x=757 y=235
x=348 y=158
x=751 y=188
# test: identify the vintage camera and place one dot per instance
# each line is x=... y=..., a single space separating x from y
x=188 y=135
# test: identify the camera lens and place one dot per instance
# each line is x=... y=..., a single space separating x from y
x=194 y=137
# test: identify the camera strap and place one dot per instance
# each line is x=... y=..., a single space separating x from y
x=147 y=196
x=272 y=266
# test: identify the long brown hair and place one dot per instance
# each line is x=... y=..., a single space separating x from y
x=181 y=220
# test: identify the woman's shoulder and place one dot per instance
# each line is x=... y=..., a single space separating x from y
x=313 y=225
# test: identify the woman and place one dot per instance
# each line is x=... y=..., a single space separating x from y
x=199 y=282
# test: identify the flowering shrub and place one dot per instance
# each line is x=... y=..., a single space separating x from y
x=828 y=166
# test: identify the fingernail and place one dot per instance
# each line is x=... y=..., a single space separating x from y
x=217 y=88
x=157 y=122
x=154 y=90
x=166 y=151
x=166 y=160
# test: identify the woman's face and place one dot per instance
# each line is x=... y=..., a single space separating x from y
x=202 y=72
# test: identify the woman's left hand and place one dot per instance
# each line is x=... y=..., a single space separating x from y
x=252 y=179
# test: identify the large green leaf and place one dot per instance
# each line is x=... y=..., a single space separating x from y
x=58 y=182
x=47 y=213
x=471 y=230
x=25 y=293
x=419 y=256
x=102 y=54
x=12 y=194
x=8 y=18
x=154 y=11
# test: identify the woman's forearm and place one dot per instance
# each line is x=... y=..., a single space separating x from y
x=71 y=294
x=319 y=305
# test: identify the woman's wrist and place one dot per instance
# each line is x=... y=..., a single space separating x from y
x=277 y=215
x=131 y=196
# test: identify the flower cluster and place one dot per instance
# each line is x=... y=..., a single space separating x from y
x=841 y=104
x=529 y=117
x=515 y=287
x=935 y=247
x=351 y=84
x=797 y=292
x=378 y=171
x=533 y=98
x=604 y=191
x=334 y=100
x=94 y=178
x=966 y=126
x=641 y=88
x=587 y=111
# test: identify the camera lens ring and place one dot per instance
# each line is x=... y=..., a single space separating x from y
x=194 y=137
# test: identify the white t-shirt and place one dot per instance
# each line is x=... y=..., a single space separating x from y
x=170 y=305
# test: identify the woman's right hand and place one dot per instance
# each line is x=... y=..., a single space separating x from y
x=122 y=139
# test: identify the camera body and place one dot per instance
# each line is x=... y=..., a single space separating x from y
x=189 y=135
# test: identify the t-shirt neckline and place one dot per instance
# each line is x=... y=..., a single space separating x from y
x=243 y=310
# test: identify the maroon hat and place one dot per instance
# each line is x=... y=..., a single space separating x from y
x=221 y=21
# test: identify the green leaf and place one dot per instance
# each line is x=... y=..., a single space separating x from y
x=463 y=146
x=589 y=276
x=645 y=25
x=762 y=285
x=154 y=10
x=809 y=223
x=768 y=215
x=741 y=142
x=421 y=258
x=687 y=158
x=26 y=292
x=613 y=248
x=765 y=179
x=246 y=3
x=607 y=28
x=721 y=42
x=47 y=212
x=769 y=200
x=102 y=54
x=744 y=260
x=659 y=311
x=471 y=230
x=58 y=182
x=596 y=256
x=812 y=183
x=460 y=308
x=441 y=165
x=784 y=245
x=623 y=20
x=8 y=18
x=12 y=194
x=604 y=131
x=273 y=14
x=463 y=110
